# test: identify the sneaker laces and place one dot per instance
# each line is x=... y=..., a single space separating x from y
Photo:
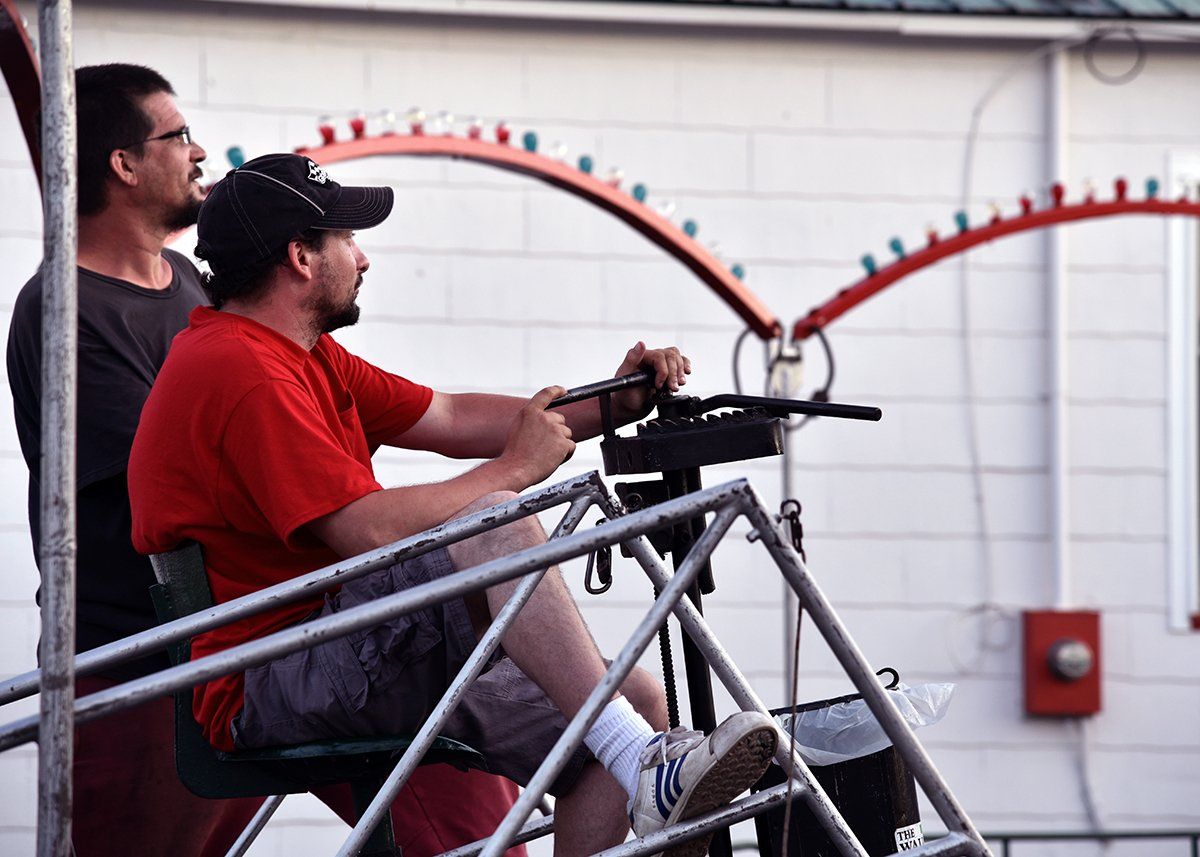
x=670 y=745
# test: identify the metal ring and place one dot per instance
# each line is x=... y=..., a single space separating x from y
x=1139 y=60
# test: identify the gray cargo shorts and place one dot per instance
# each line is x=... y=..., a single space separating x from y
x=385 y=680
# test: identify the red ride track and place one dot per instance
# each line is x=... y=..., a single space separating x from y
x=850 y=297
x=637 y=215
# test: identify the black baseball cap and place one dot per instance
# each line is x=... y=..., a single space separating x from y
x=254 y=211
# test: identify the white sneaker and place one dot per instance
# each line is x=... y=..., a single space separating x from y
x=685 y=774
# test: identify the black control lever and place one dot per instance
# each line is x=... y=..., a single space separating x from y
x=643 y=378
x=783 y=407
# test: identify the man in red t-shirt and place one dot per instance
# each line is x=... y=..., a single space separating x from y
x=256 y=442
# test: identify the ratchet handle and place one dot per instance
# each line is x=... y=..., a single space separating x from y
x=644 y=378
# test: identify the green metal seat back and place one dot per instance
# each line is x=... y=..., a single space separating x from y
x=182 y=589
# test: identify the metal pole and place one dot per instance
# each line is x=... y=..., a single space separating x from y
x=59 y=340
x=255 y=826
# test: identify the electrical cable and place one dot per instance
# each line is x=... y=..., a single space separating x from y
x=989 y=612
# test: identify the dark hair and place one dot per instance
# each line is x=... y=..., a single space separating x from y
x=249 y=282
x=110 y=117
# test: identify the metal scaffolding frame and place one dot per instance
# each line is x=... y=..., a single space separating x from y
x=53 y=728
x=725 y=503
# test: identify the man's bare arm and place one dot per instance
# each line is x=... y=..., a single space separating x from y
x=476 y=425
x=536 y=444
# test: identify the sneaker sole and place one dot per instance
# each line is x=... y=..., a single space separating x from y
x=735 y=772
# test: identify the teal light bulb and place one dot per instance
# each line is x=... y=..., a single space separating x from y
x=738 y=271
x=639 y=192
x=897 y=247
x=960 y=218
x=690 y=228
x=529 y=140
x=1151 y=188
x=868 y=262
x=586 y=164
x=236 y=156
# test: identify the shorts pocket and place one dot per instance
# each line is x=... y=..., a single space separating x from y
x=343 y=673
x=385 y=651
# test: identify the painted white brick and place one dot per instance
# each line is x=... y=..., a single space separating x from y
x=21 y=256
x=433 y=354
x=524 y=291
x=219 y=129
x=741 y=90
x=598 y=87
x=18 y=812
x=1120 y=573
x=404 y=286
x=659 y=292
x=558 y=223
x=435 y=218
x=1155 y=652
x=177 y=57
x=235 y=73
x=1100 y=436
x=841 y=164
x=1134 y=242
x=1167 y=785
x=679 y=160
x=22 y=212
x=439 y=79
x=1100 y=110
x=1133 y=713
x=1117 y=302
x=1109 y=369
x=899 y=95
x=1118 y=505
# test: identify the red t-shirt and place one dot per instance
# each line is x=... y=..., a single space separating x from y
x=245 y=438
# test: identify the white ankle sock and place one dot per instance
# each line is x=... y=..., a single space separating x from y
x=616 y=739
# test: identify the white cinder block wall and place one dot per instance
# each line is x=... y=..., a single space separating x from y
x=797 y=152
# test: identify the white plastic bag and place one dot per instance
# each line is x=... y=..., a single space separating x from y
x=848 y=730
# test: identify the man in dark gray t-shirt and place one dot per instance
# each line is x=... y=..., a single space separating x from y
x=124 y=333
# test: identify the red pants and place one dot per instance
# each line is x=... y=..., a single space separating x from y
x=128 y=799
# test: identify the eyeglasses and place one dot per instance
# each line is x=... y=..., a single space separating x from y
x=184 y=133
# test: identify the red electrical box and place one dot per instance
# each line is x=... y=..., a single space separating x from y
x=1062 y=662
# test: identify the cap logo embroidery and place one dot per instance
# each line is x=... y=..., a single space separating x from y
x=317 y=174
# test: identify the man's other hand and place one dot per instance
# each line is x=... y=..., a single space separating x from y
x=539 y=440
x=670 y=372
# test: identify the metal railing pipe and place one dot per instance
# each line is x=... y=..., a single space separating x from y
x=59 y=346
x=305 y=586
x=255 y=827
x=621 y=666
x=535 y=829
x=432 y=727
x=254 y=652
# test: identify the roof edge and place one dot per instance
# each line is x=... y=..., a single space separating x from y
x=912 y=24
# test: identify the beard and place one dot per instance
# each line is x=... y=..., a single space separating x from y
x=330 y=315
x=184 y=215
